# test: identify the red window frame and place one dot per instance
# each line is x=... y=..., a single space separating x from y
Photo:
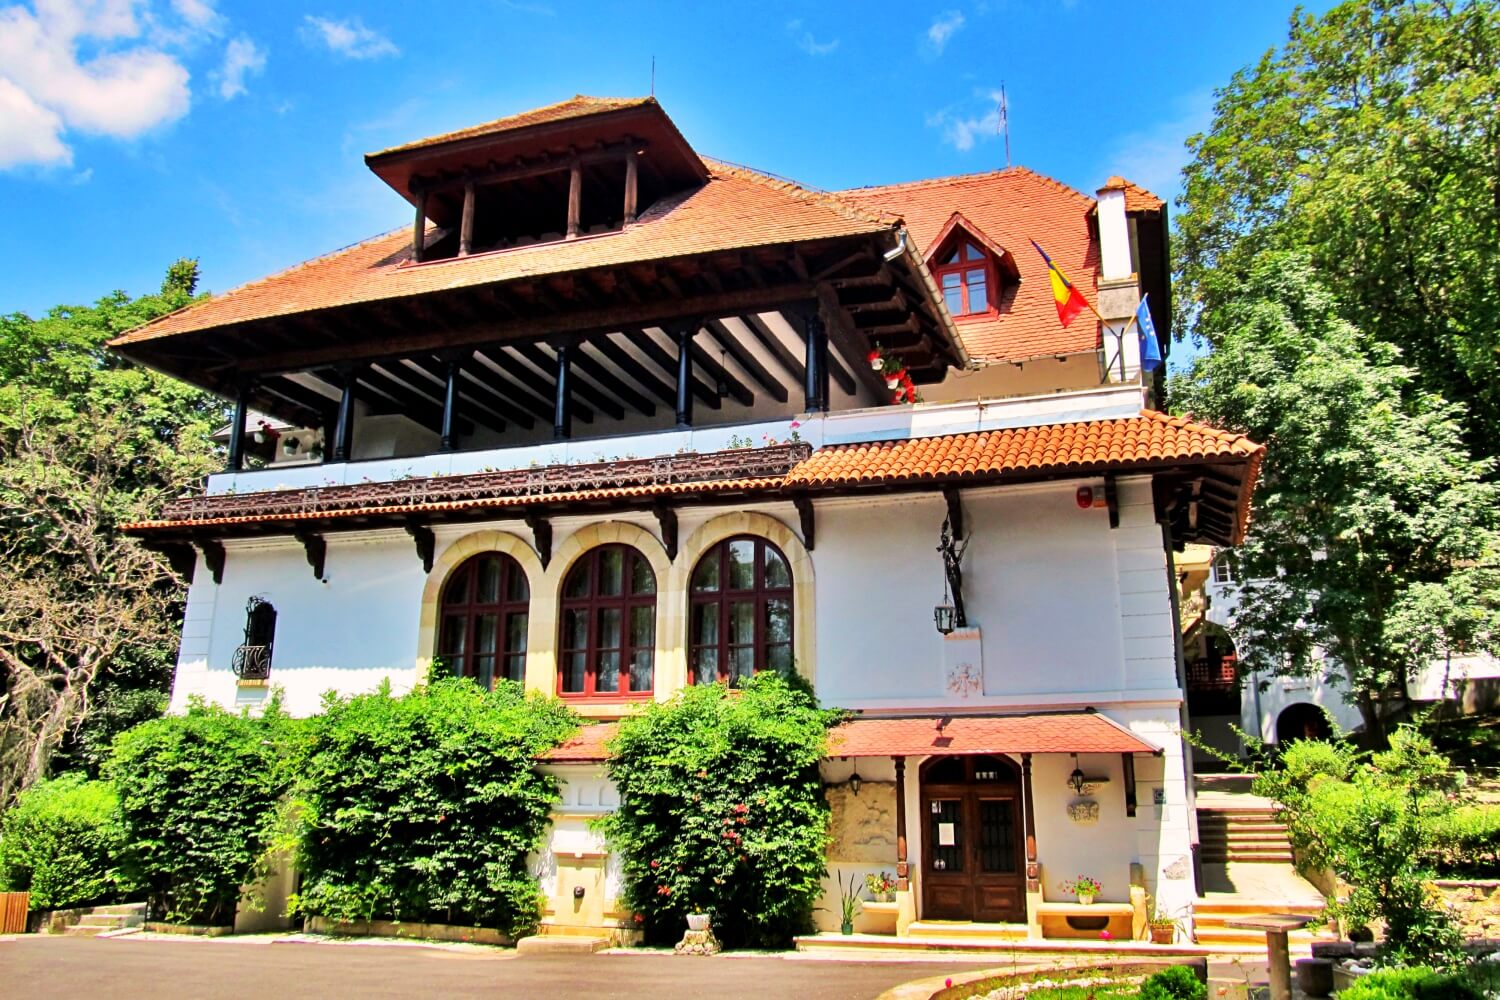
x=594 y=605
x=984 y=261
x=718 y=602
x=461 y=609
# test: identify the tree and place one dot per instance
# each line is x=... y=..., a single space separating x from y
x=1372 y=536
x=88 y=442
x=1370 y=142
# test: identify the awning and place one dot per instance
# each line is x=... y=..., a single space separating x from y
x=1074 y=732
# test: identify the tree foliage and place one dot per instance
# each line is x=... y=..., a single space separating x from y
x=63 y=841
x=201 y=794
x=1369 y=142
x=1372 y=535
x=424 y=807
x=87 y=442
x=722 y=810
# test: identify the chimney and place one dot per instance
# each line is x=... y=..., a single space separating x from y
x=1119 y=291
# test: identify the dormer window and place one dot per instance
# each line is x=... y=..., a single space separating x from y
x=965 y=274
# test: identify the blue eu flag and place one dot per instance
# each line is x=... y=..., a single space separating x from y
x=1150 y=347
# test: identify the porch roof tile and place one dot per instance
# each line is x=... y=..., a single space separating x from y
x=1074 y=732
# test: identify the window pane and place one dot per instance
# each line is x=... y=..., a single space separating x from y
x=945 y=830
x=706 y=576
x=641 y=670
x=741 y=663
x=706 y=624
x=777 y=574
x=951 y=258
x=575 y=628
x=954 y=299
x=578 y=580
x=778 y=619
x=488 y=590
x=779 y=658
x=979 y=299
x=972 y=252
x=997 y=827
x=741 y=622
x=516 y=587
x=484 y=670
x=457 y=591
x=706 y=665
x=515 y=633
x=484 y=633
x=608 y=677
x=454 y=635
x=573 y=673
x=609 y=628
x=611 y=572
x=643 y=628
x=742 y=565
x=642 y=580
x=952 y=279
x=515 y=669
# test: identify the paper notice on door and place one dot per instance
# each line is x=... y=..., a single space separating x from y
x=946 y=835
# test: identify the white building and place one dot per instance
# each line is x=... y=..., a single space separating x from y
x=610 y=420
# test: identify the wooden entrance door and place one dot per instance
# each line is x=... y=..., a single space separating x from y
x=972 y=840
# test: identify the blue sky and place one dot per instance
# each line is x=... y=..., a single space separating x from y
x=133 y=132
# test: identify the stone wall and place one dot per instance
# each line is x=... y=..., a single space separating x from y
x=863 y=825
x=1477 y=903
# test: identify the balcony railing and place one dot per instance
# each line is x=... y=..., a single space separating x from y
x=252 y=663
x=1212 y=673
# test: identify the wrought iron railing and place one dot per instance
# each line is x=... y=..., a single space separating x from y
x=539 y=483
x=1212 y=673
x=252 y=663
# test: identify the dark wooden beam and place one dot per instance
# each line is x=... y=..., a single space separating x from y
x=667 y=362
x=237 y=429
x=534 y=354
x=1112 y=500
x=850 y=344
x=316 y=549
x=746 y=360
x=181 y=557
x=475 y=390
x=609 y=383
x=666 y=519
x=721 y=376
x=523 y=387
x=1127 y=762
x=808 y=522
x=773 y=344
x=526 y=169
x=541 y=534
x=638 y=372
x=425 y=540
x=213 y=558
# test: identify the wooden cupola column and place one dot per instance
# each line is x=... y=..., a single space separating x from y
x=343 y=430
x=815 y=389
x=419 y=229
x=562 y=412
x=451 y=369
x=631 y=185
x=684 y=337
x=575 y=198
x=466 y=225
x=237 y=429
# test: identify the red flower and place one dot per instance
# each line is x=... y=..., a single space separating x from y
x=663 y=890
x=639 y=919
x=655 y=864
x=741 y=808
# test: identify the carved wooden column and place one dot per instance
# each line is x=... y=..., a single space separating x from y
x=815 y=389
x=903 y=870
x=451 y=369
x=343 y=431
x=631 y=185
x=684 y=336
x=562 y=413
x=419 y=229
x=575 y=199
x=1033 y=869
x=466 y=226
x=237 y=430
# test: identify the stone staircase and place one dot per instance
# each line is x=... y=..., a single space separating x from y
x=103 y=919
x=1242 y=834
x=1211 y=919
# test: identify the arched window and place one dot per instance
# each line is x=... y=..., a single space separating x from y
x=485 y=611
x=1224 y=568
x=608 y=643
x=741 y=611
x=252 y=659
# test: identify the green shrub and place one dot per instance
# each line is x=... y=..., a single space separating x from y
x=62 y=842
x=199 y=794
x=722 y=810
x=1417 y=983
x=1468 y=842
x=423 y=808
x=1177 y=983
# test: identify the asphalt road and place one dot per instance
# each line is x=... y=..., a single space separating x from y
x=47 y=966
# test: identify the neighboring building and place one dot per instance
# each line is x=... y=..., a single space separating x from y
x=605 y=422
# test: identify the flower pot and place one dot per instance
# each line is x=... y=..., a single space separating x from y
x=697 y=921
x=1163 y=935
x=847 y=927
x=1085 y=899
x=882 y=897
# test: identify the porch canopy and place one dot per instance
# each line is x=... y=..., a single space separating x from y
x=914 y=736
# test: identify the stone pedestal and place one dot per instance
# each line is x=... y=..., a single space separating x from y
x=698 y=943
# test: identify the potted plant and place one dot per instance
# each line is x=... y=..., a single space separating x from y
x=881 y=886
x=849 y=901
x=1085 y=887
x=698 y=921
x=1162 y=925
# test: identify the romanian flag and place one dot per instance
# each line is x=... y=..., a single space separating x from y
x=1070 y=301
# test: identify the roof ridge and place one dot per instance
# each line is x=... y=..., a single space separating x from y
x=578 y=99
x=245 y=286
x=1014 y=170
x=827 y=199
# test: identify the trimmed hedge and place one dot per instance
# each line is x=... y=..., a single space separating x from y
x=722 y=810
x=423 y=808
x=62 y=842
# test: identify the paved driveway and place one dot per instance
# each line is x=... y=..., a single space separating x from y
x=37 y=966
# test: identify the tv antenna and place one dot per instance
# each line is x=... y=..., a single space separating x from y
x=653 y=76
x=1002 y=122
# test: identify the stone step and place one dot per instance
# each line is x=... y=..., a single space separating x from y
x=105 y=920
x=129 y=909
x=1241 y=905
x=560 y=944
x=989 y=932
x=88 y=930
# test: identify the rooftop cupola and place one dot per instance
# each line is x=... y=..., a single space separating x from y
x=583 y=167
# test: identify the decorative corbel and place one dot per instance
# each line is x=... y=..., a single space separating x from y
x=426 y=543
x=1112 y=500
x=809 y=526
x=213 y=558
x=182 y=559
x=666 y=519
x=541 y=533
x=1128 y=763
x=952 y=551
x=316 y=549
x=955 y=511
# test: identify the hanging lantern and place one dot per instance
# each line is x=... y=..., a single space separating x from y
x=1076 y=780
x=945 y=616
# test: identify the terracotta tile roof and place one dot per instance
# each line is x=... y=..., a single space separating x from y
x=1150 y=438
x=585 y=745
x=1011 y=206
x=1081 y=732
x=578 y=106
x=737 y=209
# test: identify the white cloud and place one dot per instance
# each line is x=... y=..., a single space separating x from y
x=1154 y=156
x=807 y=43
x=348 y=38
x=242 y=58
x=944 y=28
x=29 y=133
x=198 y=13
x=122 y=88
x=964 y=126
